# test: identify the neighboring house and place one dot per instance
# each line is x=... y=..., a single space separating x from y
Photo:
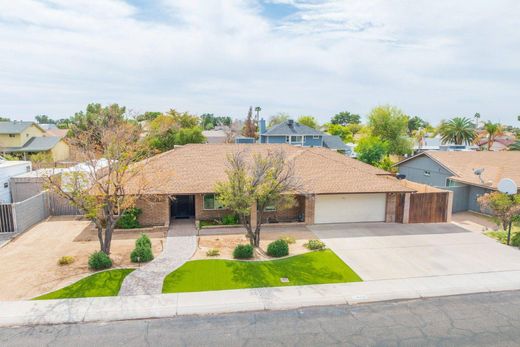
x=31 y=183
x=435 y=144
x=297 y=134
x=334 y=188
x=215 y=136
x=8 y=169
x=458 y=172
x=26 y=138
x=501 y=142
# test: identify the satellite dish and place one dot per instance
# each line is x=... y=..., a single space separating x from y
x=507 y=186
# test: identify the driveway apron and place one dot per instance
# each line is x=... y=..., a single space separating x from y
x=181 y=244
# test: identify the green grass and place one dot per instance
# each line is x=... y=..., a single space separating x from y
x=106 y=283
x=310 y=268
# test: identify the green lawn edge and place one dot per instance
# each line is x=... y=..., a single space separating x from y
x=320 y=267
x=105 y=283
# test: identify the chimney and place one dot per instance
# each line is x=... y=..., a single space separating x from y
x=262 y=128
x=290 y=122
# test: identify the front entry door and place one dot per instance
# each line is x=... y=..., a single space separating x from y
x=183 y=206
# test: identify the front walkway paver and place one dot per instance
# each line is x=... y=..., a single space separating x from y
x=180 y=245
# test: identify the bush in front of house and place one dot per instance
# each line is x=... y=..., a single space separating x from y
x=66 y=260
x=278 y=248
x=143 y=241
x=515 y=239
x=99 y=261
x=129 y=219
x=243 y=252
x=142 y=252
x=141 y=255
x=213 y=252
x=315 y=245
x=229 y=219
x=289 y=239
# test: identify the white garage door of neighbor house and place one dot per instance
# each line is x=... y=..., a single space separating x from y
x=344 y=208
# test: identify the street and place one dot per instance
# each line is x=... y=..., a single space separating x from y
x=465 y=320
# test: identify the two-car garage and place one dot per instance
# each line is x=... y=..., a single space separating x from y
x=348 y=208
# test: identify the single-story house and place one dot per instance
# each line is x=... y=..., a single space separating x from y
x=335 y=188
x=469 y=174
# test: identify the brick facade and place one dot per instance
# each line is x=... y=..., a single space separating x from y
x=155 y=210
x=286 y=215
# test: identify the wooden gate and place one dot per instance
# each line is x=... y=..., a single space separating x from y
x=6 y=218
x=429 y=207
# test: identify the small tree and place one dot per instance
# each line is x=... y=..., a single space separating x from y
x=371 y=150
x=506 y=208
x=249 y=129
x=268 y=181
x=101 y=193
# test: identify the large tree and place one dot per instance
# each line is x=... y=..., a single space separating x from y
x=256 y=181
x=344 y=118
x=505 y=208
x=95 y=119
x=101 y=193
x=459 y=130
x=167 y=131
x=341 y=131
x=208 y=121
x=309 y=121
x=390 y=124
x=44 y=119
x=416 y=123
x=371 y=150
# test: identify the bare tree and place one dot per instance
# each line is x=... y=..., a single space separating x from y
x=264 y=182
x=100 y=193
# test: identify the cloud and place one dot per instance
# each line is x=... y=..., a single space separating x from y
x=434 y=59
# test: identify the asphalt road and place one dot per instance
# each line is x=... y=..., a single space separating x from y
x=465 y=320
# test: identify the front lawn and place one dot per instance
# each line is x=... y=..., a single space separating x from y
x=106 y=283
x=311 y=268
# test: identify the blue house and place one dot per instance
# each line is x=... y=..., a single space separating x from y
x=468 y=174
x=297 y=134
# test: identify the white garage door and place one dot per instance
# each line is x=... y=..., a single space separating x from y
x=343 y=208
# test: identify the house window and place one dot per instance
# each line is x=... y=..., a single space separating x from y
x=270 y=208
x=427 y=173
x=296 y=139
x=316 y=137
x=12 y=135
x=211 y=203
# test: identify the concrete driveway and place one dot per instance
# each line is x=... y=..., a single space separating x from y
x=378 y=251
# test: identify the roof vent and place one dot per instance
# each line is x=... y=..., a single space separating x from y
x=290 y=122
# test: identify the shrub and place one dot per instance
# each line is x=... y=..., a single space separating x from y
x=289 y=239
x=141 y=255
x=229 y=219
x=143 y=241
x=278 y=248
x=315 y=245
x=213 y=252
x=515 y=239
x=129 y=219
x=243 y=252
x=99 y=261
x=66 y=260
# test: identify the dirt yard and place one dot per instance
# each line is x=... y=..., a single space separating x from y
x=28 y=265
x=226 y=243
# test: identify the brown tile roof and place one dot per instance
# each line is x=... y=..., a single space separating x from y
x=196 y=168
x=497 y=165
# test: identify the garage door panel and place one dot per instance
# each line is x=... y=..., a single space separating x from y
x=345 y=208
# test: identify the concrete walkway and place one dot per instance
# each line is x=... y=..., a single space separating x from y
x=181 y=243
x=14 y=313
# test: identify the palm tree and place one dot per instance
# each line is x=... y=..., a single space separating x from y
x=459 y=130
x=491 y=131
x=419 y=135
x=477 y=118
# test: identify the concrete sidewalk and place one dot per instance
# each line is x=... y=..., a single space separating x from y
x=169 y=305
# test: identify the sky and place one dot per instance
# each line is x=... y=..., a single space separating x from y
x=434 y=59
